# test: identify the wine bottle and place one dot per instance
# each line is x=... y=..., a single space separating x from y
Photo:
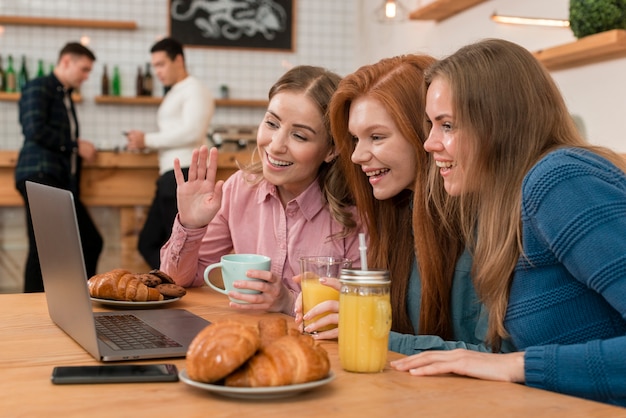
x=117 y=82
x=22 y=77
x=3 y=77
x=104 y=82
x=40 y=70
x=11 y=77
x=147 y=81
x=139 y=83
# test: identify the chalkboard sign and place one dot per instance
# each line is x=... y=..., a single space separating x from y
x=245 y=24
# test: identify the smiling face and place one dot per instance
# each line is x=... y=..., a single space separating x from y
x=385 y=156
x=293 y=143
x=443 y=141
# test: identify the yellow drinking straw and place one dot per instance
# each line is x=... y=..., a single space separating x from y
x=363 y=250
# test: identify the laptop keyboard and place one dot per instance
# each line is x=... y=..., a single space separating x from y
x=127 y=332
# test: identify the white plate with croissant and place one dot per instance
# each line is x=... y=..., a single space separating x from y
x=269 y=392
x=266 y=361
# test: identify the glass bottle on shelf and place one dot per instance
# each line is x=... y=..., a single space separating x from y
x=147 y=81
x=117 y=82
x=104 y=82
x=11 y=77
x=139 y=83
x=22 y=77
x=51 y=69
x=40 y=70
x=3 y=77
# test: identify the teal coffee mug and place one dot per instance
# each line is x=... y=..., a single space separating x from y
x=234 y=267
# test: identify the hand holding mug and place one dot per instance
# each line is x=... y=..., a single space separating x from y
x=250 y=284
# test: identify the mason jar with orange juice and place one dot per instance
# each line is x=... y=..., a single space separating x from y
x=314 y=292
x=364 y=320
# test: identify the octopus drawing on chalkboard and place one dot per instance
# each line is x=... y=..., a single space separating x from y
x=233 y=23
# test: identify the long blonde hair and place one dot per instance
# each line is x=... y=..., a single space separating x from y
x=318 y=84
x=398 y=84
x=509 y=113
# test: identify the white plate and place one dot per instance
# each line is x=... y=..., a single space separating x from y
x=271 y=392
x=135 y=305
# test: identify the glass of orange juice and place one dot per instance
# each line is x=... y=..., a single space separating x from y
x=313 y=292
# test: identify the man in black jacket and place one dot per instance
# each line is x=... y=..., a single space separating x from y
x=53 y=151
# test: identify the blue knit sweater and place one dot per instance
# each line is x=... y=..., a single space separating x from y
x=567 y=304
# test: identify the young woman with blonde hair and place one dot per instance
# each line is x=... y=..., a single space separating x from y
x=544 y=214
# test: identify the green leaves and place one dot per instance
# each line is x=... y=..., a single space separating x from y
x=593 y=16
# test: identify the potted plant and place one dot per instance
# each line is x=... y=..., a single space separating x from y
x=587 y=17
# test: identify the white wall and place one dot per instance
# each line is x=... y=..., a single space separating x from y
x=325 y=36
x=596 y=93
x=339 y=34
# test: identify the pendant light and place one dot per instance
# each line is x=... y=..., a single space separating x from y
x=391 y=11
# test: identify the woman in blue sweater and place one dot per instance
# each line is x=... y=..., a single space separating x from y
x=544 y=214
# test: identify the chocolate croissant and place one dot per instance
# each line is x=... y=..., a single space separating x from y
x=120 y=284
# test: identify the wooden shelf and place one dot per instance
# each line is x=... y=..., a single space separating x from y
x=64 y=22
x=142 y=101
x=9 y=97
x=127 y=100
x=588 y=50
x=14 y=97
x=442 y=9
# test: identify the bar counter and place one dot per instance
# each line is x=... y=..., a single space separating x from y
x=31 y=345
x=124 y=181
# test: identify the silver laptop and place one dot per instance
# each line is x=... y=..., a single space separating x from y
x=69 y=305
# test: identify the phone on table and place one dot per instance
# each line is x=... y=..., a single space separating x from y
x=115 y=373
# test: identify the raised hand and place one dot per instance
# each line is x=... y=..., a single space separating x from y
x=200 y=197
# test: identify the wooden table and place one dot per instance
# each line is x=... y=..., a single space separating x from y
x=31 y=345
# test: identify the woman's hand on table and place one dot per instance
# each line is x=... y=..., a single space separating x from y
x=200 y=197
x=274 y=296
x=331 y=307
x=488 y=366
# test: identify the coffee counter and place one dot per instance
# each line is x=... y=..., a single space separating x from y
x=124 y=181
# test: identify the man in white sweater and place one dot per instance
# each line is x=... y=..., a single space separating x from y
x=183 y=120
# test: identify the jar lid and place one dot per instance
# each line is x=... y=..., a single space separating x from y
x=357 y=277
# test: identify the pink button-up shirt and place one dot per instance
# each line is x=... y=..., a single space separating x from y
x=252 y=220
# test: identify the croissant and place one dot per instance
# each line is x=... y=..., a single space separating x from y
x=219 y=349
x=286 y=361
x=271 y=328
x=120 y=284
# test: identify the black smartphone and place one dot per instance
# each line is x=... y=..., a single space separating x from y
x=115 y=373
